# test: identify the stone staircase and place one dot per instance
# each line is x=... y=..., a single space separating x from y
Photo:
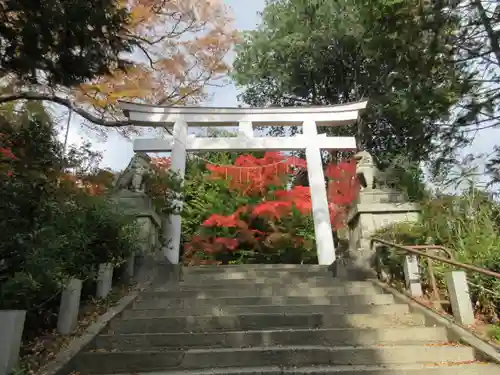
x=273 y=319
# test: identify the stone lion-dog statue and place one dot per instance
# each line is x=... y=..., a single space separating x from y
x=368 y=173
x=134 y=176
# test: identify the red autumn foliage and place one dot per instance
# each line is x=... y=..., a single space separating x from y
x=161 y=163
x=6 y=154
x=207 y=246
x=84 y=184
x=343 y=189
x=300 y=196
x=231 y=221
x=251 y=176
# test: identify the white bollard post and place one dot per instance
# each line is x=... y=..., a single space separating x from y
x=458 y=291
x=11 y=332
x=104 y=280
x=412 y=276
x=69 y=308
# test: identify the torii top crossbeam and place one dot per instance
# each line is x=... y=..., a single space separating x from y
x=246 y=118
x=333 y=115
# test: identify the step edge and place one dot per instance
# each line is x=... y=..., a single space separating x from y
x=417 y=315
x=388 y=296
x=265 y=331
x=301 y=369
x=277 y=348
x=334 y=306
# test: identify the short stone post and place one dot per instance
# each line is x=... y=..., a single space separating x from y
x=412 y=276
x=458 y=291
x=69 y=308
x=129 y=272
x=11 y=331
x=104 y=280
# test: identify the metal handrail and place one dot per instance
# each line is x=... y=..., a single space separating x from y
x=433 y=247
x=412 y=250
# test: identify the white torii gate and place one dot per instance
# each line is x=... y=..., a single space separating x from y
x=246 y=118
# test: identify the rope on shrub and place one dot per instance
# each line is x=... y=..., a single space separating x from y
x=45 y=302
x=58 y=293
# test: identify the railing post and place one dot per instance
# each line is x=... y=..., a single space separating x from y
x=69 y=307
x=104 y=280
x=458 y=291
x=11 y=330
x=130 y=270
x=412 y=276
x=379 y=265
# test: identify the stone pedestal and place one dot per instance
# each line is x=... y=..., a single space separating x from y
x=149 y=222
x=373 y=210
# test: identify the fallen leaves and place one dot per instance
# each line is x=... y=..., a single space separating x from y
x=444 y=343
x=451 y=364
x=44 y=348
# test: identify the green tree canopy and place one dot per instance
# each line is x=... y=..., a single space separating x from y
x=60 y=41
x=396 y=53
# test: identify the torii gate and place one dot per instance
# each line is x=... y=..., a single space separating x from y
x=246 y=118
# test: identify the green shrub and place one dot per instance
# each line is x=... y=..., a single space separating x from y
x=468 y=225
x=49 y=233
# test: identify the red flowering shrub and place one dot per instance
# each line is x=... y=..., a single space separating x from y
x=254 y=176
x=271 y=223
x=343 y=189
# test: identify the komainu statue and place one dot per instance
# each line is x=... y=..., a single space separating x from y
x=367 y=172
x=133 y=177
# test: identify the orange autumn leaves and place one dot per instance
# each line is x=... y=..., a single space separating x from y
x=179 y=47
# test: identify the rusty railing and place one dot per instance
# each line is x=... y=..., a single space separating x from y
x=420 y=250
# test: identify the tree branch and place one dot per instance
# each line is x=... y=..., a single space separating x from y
x=68 y=104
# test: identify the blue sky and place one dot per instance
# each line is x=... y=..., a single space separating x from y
x=118 y=151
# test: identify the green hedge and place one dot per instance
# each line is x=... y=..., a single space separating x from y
x=49 y=232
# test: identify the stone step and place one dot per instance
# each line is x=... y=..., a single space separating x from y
x=236 y=300
x=283 y=275
x=267 y=280
x=259 y=267
x=419 y=369
x=296 y=290
x=273 y=309
x=243 y=322
x=135 y=361
x=257 y=276
x=254 y=273
x=241 y=339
